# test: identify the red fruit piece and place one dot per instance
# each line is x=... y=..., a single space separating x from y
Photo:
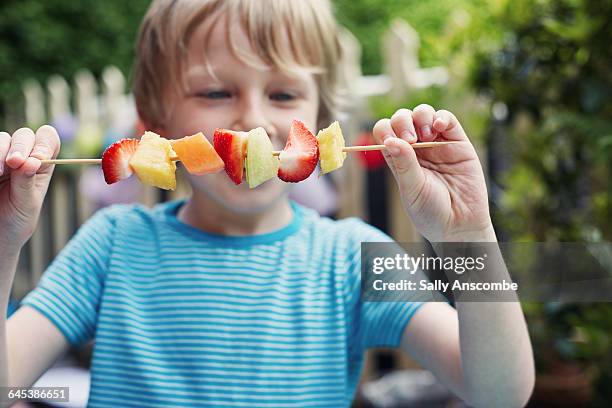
x=300 y=155
x=116 y=158
x=231 y=147
x=372 y=159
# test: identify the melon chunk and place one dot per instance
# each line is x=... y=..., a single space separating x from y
x=261 y=165
x=152 y=164
x=197 y=154
x=331 y=143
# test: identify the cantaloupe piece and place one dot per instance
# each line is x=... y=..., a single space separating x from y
x=197 y=154
x=152 y=164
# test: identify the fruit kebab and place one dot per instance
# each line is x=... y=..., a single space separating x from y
x=152 y=158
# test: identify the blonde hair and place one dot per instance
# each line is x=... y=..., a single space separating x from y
x=168 y=25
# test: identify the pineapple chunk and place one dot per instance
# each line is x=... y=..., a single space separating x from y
x=331 y=143
x=152 y=164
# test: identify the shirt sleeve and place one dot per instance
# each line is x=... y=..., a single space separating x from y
x=69 y=291
x=372 y=324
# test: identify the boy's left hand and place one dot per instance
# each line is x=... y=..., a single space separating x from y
x=443 y=188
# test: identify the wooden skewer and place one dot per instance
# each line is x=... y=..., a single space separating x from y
x=72 y=161
x=275 y=152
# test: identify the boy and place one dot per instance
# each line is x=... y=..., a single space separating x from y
x=239 y=297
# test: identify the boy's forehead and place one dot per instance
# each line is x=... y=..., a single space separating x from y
x=210 y=44
x=219 y=45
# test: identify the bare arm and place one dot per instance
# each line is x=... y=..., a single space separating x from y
x=33 y=345
x=29 y=342
x=481 y=351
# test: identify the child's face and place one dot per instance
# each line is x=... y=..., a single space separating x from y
x=241 y=97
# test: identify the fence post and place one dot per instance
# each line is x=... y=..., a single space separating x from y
x=88 y=115
x=400 y=46
x=350 y=181
x=59 y=197
x=34 y=99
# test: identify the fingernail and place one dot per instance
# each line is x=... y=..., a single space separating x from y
x=426 y=132
x=394 y=150
x=408 y=135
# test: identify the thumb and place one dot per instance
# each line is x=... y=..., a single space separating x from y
x=406 y=168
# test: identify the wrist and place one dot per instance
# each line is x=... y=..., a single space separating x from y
x=484 y=234
x=8 y=249
x=9 y=253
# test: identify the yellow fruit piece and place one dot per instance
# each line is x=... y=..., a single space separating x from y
x=151 y=162
x=331 y=143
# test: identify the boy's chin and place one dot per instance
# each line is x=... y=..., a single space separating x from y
x=241 y=198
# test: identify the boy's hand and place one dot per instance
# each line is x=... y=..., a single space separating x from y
x=23 y=182
x=443 y=188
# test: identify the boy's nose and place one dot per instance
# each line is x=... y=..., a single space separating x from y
x=252 y=116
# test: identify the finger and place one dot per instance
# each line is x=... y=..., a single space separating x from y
x=5 y=144
x=382 y=130
x=22 y=182
x=406 y=168
x=21 y=147
x=446 y=123
x=403 y=126
x=423 y=116
x=46 y=145
x=401 y=159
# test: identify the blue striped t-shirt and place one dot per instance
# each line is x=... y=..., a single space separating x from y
x=181 y=317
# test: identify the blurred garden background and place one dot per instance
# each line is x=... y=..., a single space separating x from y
x=531 y=81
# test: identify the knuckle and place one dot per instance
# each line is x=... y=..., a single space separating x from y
x=22 y=137
x=23 y=131
x=17 y=144
x=381 y=125
x=446 y=114
x=401 y=113
x=48 y=132
x=47 y=140
x=424 y=108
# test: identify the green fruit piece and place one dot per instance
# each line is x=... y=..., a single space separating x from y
x=261 y=165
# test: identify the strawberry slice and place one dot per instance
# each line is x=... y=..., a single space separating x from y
x=231 y=147
x=300 y=155
x=115 y=160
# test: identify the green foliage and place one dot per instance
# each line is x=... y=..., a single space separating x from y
x=552 y=71
x=41 y=38
x=369 y=19
x=549 y=64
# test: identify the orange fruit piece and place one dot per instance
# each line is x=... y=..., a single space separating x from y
x=197 y=154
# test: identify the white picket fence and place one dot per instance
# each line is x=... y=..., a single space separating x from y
x=88 y=113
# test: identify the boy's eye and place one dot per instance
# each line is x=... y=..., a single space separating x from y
x=215 y=94
x=282 y=96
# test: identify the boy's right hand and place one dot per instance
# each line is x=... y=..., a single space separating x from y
x=24 y=182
